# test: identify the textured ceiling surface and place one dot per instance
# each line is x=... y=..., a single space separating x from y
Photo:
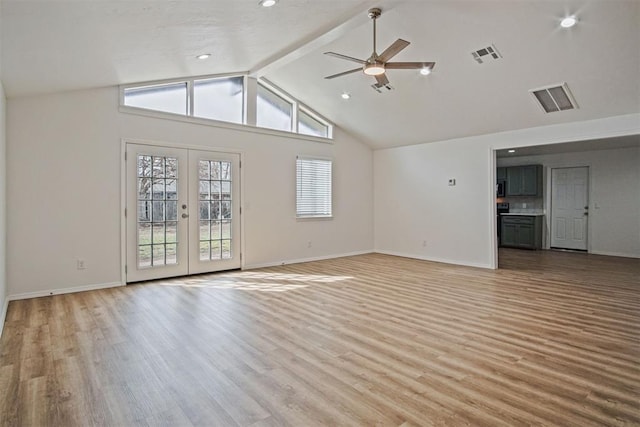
x=50 y=46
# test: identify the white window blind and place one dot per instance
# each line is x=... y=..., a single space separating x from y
x=313 y=187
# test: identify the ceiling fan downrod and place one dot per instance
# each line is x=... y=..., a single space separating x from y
x=374 y=13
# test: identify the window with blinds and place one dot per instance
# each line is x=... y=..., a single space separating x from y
x=313 y=187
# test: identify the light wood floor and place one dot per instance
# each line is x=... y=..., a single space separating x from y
x=549 y=339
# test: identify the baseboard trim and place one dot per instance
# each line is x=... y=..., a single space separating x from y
x=46 y=293
x=434 y=259
x=618 y=254
x=3 y=315
x=300 y=260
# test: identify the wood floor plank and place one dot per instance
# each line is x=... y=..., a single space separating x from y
x=550 y=338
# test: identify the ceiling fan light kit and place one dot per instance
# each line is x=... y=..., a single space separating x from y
x=376 y=65
x=374 y=69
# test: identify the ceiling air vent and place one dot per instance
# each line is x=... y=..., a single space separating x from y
x=554 y=98
x=485 y=53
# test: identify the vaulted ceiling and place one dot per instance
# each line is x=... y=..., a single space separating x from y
x=52 y=45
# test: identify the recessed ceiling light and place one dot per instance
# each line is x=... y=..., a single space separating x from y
x=267 y=3
x=203 y=56
x=511 y=151
x=345 y=95
x=425 y=71
x=569 y=21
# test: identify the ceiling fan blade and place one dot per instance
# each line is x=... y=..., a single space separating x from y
x=344 y=73
x=382 y=79
x=393 y=50
x=348 y=58
x=408 y=65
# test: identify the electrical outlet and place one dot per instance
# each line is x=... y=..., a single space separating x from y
x=424 y=243
x=80 y=264
x=452 y=182
x=309 y=244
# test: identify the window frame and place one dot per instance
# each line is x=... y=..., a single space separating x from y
x=306 y=110
x=246 y=105
x=282 y=95
x=149 y=85
x=297 y=107
x=192 y=89
x=190 y=82
x=315 y=215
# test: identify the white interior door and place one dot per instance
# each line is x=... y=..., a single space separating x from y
x=569 y=207
x=183 y=211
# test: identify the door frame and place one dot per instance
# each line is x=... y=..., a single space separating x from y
x=123 y=192
x=548 y=199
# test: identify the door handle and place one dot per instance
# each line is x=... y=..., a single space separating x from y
x=586 y=214
x=185 y=215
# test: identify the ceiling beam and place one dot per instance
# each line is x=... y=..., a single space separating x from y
x=354 y=18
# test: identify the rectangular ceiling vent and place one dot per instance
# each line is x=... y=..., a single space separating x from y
x=554 y=98
x=485 y=53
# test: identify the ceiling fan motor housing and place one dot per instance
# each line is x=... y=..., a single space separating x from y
x=375 y=12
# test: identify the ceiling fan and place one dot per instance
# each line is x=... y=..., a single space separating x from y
x=376 y=64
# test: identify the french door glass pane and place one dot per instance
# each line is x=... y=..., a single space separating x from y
x=157 y=210
x=215 y=205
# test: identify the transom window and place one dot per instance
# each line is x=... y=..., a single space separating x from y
x=170 y=98
x=272 y=110
x=224 y=99
x=219 y=99
x=309 y=125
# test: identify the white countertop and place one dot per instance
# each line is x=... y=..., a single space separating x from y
x=523 y=214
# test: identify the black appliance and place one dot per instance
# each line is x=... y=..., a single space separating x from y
x=500 y=209
x=501 y=190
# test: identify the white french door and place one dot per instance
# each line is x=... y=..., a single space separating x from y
x=183 y=212
x=214 y=205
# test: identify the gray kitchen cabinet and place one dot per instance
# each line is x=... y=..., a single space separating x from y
x=501 y=174
x=524 y=181
x=521 y=231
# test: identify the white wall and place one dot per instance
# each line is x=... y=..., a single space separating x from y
x=3 y=209
x=614 y=195
x=413 y=202
x=64 y=185
x=3 y=204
